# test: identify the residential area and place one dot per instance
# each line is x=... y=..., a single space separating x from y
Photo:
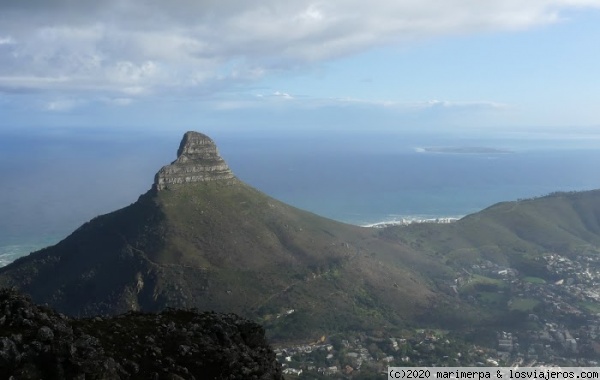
x=557 y=322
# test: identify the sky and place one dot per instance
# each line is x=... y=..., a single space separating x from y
x=345 y=64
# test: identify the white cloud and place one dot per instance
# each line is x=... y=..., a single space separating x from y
x=62 y=105
x=128 y=72
x=306 y=102
x=461 y=104
x=138 y=47
x=7 y=41
x=416 y=106
x=282 y=95
x=18 y=83
x=119 y=101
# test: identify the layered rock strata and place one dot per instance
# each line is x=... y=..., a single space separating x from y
x=198 y=160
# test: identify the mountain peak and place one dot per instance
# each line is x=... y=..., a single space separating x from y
x=198 y=160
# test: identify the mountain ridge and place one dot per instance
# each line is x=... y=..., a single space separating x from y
x=514 y=233
x=202 y=238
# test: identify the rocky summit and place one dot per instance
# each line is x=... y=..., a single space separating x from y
x=38 y=343
x=198 y=160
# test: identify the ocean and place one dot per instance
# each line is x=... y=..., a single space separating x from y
x=51 y=184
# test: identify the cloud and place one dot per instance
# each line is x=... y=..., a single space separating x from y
x=461 y=104
x=120 y=101
x=406 y=106
x=285 y=99
x=7 y=40
x=282 y=95
x=62 y=105
x=137 y=48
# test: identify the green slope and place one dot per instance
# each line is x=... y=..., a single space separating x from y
x=513 y=233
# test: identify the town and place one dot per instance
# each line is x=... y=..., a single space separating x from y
x=556 y=322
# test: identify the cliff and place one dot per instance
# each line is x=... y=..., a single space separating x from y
x=198 y=160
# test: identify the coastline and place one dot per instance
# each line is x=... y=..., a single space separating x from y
x=404 y=221
x=11 y=249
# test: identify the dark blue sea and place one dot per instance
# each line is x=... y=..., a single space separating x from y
x=53 y=182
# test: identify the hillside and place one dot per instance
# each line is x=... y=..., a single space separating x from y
x=533 y=263
x=513 y=233
x=202 y=238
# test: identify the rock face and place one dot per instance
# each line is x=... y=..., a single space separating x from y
x=197 y=161
x=36 y=343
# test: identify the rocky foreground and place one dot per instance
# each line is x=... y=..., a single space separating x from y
x=38 y=343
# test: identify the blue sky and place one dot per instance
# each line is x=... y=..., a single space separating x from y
x=498 y=64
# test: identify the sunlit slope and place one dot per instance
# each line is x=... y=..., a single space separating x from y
x=513 y=232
